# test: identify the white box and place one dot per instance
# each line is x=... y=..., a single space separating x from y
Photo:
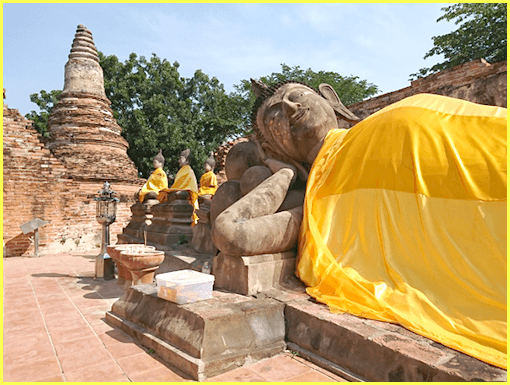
x=185 y=286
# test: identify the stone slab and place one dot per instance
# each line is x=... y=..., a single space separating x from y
x=205 y=338
x=376 y=351
x=250 y=275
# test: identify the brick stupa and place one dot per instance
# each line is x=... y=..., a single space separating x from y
x=84 y=135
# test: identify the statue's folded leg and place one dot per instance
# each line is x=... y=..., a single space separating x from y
x=251 y=227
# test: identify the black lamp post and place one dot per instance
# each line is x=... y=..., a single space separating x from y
x=106 y=209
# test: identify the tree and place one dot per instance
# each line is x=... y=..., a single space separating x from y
x=482 y=34
x=158 y=109
x=45 y=101
x=350 y=89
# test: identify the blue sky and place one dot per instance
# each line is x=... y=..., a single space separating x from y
x=381 y=43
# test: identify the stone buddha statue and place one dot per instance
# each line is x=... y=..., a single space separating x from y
x=208 y=181
x=185 y=183
x=290 y=121
x=201 y=240
x=395 y=207
x=157 y=180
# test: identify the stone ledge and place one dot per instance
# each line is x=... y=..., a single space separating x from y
x=378 y=351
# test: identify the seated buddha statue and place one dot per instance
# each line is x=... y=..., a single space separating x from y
x=404 y=215
x=185 y=180
x=157 y=180
x=208 y=181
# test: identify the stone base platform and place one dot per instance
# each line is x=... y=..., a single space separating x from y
x=206 y=338
x=355 y=348
x=253 y=274
x=360 y=349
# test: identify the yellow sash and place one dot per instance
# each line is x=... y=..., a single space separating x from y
x=208 y=184
x=184 y=180
x=156 y=182
x=405 y=222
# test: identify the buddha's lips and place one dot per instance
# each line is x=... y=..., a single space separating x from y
x=300 y=113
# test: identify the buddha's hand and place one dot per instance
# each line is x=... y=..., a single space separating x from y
x=273 y=164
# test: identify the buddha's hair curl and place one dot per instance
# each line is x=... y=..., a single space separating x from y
x=267 y=93
x=159 y=157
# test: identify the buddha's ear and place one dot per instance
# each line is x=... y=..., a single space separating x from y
x=258 y=87
x=340 y=110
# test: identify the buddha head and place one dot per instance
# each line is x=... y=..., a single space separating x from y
x=293 y=118
x=158 y=160
x=184 y=157
x=210 y=162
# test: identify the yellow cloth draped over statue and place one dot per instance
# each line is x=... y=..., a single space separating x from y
x=208 y=184
x=157 y=181
x=184 y=180
x=405 y=222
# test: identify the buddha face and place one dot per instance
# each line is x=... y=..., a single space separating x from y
x=207 y=167
x=295 y=120
x=183 y=161
x=157 y=164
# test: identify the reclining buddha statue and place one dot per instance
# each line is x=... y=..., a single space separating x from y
x=404 y=215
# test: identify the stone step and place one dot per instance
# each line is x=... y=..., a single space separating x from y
x=205 y=338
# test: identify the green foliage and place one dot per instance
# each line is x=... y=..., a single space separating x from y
x=183 y=239
x=158 y=109
x=45 y=101
x=482 y=34
x=350 y=89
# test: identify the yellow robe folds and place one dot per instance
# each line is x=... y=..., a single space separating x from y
x=405 y=222
x=184 y=180
x=208 y=184
x=157 y=181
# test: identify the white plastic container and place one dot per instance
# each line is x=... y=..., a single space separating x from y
x=185 y=286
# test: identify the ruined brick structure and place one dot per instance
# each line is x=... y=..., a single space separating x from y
x=476 y=81
x=83 y=132
x=58 y=182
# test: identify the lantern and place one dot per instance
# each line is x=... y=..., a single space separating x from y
x=106 y=210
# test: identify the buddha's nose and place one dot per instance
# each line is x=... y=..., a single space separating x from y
x=289 y=107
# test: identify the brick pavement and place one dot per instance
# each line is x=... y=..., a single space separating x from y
x=55 y=330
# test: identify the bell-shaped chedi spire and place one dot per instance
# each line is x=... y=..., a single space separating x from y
x=83 y=72
x=84 y=135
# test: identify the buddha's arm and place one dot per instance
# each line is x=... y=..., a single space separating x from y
x=251 y=227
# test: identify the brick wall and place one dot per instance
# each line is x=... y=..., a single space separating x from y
x=37 y=185
x=476 y=81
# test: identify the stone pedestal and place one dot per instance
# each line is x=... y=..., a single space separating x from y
x=160 y=224
x=252 y=274
x=171 y=220
x=205 y=338
x=140 y=220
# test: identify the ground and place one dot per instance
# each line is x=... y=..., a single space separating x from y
x=55 y=330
